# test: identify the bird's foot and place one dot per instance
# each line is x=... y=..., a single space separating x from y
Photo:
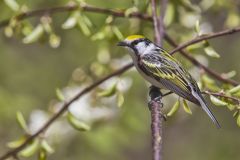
x=156 y=102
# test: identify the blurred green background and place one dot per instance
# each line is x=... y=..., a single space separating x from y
x=30 y=74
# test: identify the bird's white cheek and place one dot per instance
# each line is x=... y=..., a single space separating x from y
x=141 y=47
x=149 y=49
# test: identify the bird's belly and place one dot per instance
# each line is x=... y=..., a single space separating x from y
x=151 y=80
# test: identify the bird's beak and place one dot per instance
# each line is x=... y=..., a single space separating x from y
x=122 y=43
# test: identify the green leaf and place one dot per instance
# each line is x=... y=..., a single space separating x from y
x=236 y=113
x=238 y=120
x=130 y=11
x=209 y=83
x=8 y=31
x=47 y=147
x=59 y=94
x=231 y=107
x=71 y=21
x=232 y=20
x=34 y=35
x=97 y=68
x=207 y=79
x=30 y=149
x=234 y=90
x=120 y=99
x=77 y=124
x=117 y=32
x=12 y=4
x=186 y=107
x=13 y=22
x=105 y=32
x=108 y=92
x=210 y=51
x=98 y=36
x=42 y=155
x=170 y=13
x=17 y=143
x=46 y=23
x=84 y=28
x=87 y=21
x=109 y=20
x=21 y=121
x=81 y=1
x=217 y=101
x=197 y=28
x=194 y=47
x=27 y=28
x=54 y=40
x=200 y=85
x=84 y=24
x=174 y=109
x=189 y=6
x=230 y=74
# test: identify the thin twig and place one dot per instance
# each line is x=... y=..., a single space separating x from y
x=73 y=7
x=117 y=13
x=157 y=130
x=155 y=103
x=155 y=22
x=62 y=110
x=220 y=94
x=163 y=7
x=89 y=8
x=157 y=118
x=195 y=62
x=205 y=37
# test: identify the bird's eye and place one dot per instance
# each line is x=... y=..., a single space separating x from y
x=136 y=42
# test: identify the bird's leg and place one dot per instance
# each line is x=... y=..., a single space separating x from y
x=155 y=97
x=166 y=94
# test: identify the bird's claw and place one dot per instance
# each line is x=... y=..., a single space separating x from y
x=155 y=100
x=158 y=101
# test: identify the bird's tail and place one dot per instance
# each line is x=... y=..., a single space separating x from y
x=204 y=106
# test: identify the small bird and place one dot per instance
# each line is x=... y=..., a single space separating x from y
x=159 y=68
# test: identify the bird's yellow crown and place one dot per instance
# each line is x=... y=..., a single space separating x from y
x=134 y=37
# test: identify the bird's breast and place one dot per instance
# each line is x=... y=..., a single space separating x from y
x=147 y=77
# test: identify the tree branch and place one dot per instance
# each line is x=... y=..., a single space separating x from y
x=116 y=13
x=155 y=103
x=195 y=62
x=220 y=94
x=157 y=37
x=66 y=105
x=73 y=7
x=163 y=7
x=157 y=118
x=217 y=94
x=89 y=8
x=205 y=37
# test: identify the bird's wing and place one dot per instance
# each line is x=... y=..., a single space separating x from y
x=167 y=70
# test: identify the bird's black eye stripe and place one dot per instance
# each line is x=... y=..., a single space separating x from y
x=147 y=41
x=135 y=42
